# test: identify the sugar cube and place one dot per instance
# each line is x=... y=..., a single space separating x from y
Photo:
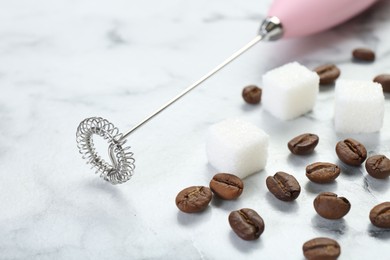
x=236 y=146
x=290 y=91
x=359 y=106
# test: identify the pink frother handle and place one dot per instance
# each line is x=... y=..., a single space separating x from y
x=304 y=17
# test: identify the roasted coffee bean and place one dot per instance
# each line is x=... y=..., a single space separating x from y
x=380 y=215
x=328 y=73
x=363 y=54
x=193 y=199
x=283 y=186
x=322 y=172
x=351 y=152
x=226 y=186
x=321 y=248
x=378 y=166
x=246 y=223
x=303 y=144
x=251 y=94
x=384 y=80
x=329 y=206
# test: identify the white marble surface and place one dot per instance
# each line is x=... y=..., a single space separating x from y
x=62 y=61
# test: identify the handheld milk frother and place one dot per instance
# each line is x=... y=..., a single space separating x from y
x=286 y=18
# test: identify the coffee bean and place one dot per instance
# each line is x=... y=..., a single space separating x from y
x=329 y=206
x=246 y=223
x=351 y=152
x=193 y=199
x=322 y=172
x=384 y=80
x=378 y=166
x=283 y=186
x=328 y=73
x=321 y=248
x=252 y=94
x=380 y=215
x=303 y=144
x=226 y=186
x=363 y=54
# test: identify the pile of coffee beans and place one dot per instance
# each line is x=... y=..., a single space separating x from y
x=328 y=204
x=249 y=225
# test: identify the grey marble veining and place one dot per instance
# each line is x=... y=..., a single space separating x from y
x=63 y=61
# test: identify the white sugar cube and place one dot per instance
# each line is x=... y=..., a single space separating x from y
x=237 y=147
x=359 y=106
x=289 y=91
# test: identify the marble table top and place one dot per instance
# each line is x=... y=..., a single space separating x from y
x=63 y=61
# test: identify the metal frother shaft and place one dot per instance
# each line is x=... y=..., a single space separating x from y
x=122 y=160
x=270 y=30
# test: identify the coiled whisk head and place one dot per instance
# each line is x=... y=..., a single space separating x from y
x=122 y=160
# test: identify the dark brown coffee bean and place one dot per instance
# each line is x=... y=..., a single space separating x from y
x=226 y=186
x=193 y=199
x=321 y=248
x=378 y=166
x=351 y=152
x=363 y=54
x=384 y=80
x=322 y=172
x=328 y=73
x=246 y=223
x=303 y=144
x=329 y=206
x=380 y=215
x=251 y=94
x=283 y=186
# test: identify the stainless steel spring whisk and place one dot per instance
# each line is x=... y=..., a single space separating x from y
x=122 y=162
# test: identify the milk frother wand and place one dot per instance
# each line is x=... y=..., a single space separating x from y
x=286 y=19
